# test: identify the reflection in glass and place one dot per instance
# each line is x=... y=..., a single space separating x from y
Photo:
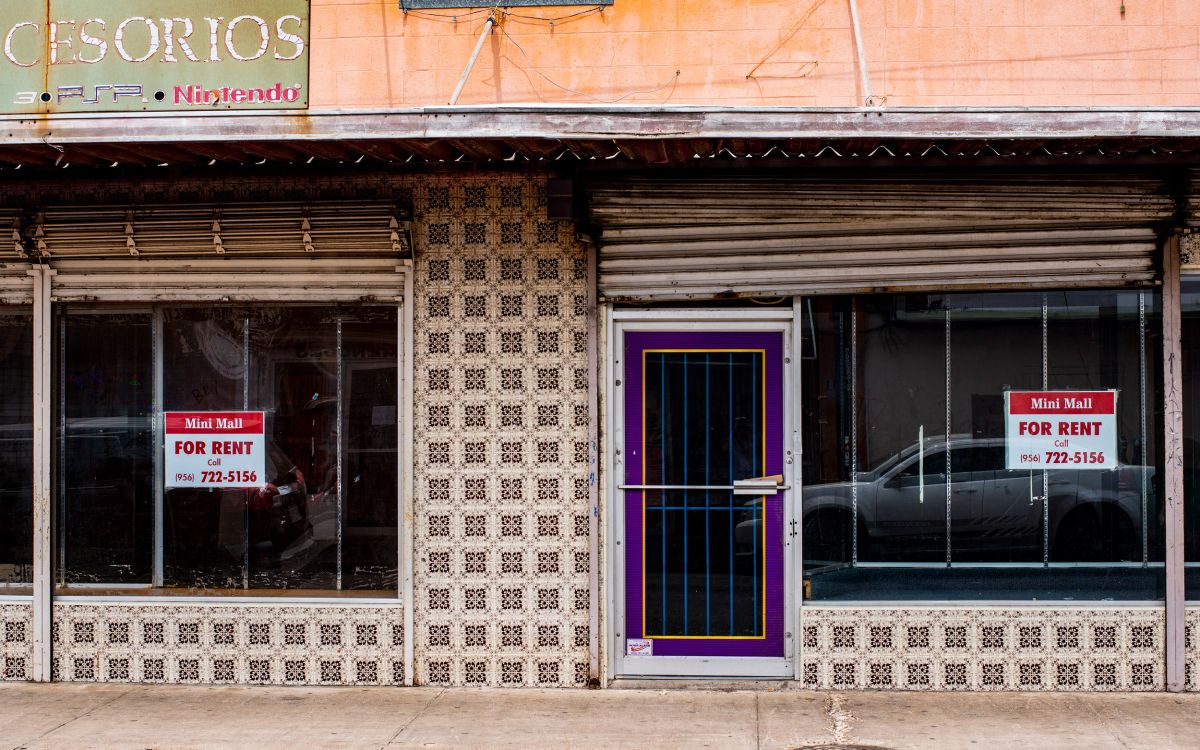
x=203 y=370
x=293 y=522
x=901 y=395
x=827 y=357
x=1093 y=338
x=371 y=480
x=326 y=516
x=105 y=447
x=886 y=378
x=995 y=347
x=1190 y=367
x=16 y=447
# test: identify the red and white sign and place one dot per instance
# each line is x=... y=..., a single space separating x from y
x=1061 y=429
x=215 y=449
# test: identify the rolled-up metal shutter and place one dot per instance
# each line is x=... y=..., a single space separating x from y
x=1191 y=202
x=232 y=280
x=334 y=251
x=706 y=236
x=259 y=230
x=16 y=285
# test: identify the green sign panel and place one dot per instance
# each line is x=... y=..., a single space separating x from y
x=153 y=55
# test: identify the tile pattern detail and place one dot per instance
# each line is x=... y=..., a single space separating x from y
x=500 y=429
x=1192 y=648
x=16 y=641
x=270 y=644
x=976 y=648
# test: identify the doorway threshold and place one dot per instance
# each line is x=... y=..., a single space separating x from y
x=768 y=684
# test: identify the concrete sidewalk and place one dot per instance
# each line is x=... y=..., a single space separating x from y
x=139 y=716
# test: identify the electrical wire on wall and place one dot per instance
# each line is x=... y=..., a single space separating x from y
x=787 y=37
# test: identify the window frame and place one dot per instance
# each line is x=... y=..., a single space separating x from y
x=153 y=591
x=22 y=589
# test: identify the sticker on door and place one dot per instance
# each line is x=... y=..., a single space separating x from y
x=639 y=647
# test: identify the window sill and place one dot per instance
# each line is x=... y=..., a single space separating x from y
x=236 y=596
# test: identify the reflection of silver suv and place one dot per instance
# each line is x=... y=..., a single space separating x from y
x=995 y=513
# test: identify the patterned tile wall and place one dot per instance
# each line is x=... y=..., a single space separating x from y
x=501 y=437
x=16 y=640
x=977 y=648
x=327 y=644
x=1192 y=649
x=1189 y=249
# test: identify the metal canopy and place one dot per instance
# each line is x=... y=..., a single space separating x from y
x=600 y=136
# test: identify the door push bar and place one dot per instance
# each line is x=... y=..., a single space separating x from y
x=758 y=486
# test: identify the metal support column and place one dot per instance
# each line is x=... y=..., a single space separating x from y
x=1173 y=465
x=794 y=523
x=43 y=550
x=593 y=411
x=407 y=517
x=160 y=484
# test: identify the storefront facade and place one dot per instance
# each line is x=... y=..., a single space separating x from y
x=503 y=343
x=587 y=395
x=917 y=561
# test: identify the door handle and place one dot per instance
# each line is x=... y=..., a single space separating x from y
x=758 y=485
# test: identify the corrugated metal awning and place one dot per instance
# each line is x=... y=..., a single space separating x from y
x=602 y=135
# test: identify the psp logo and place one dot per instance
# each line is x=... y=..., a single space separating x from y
x=96 y=94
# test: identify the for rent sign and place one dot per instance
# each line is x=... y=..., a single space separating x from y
x=1061 y=429
x=152 y=55
x=215 y=449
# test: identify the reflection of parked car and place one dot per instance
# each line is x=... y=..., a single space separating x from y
x=996 y=513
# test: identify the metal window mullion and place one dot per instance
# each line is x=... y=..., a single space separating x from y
x=949 y=543
x=406 y=556
x=794 y=475
x=246 y=494
x=1045 y=473
x=61 y=460
x=156 y=411
x=1142 y=424
x=853 y=432
x=341 y=454
x=43 y=516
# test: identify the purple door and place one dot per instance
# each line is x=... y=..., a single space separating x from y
x=704 y=571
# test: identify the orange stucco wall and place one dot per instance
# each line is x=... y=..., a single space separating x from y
x=368 y=53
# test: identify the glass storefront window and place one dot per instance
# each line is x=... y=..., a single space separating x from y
x=105 y=448
x=325 y=516
x=907 y=491
x=1190 y=367
x=16 y=449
